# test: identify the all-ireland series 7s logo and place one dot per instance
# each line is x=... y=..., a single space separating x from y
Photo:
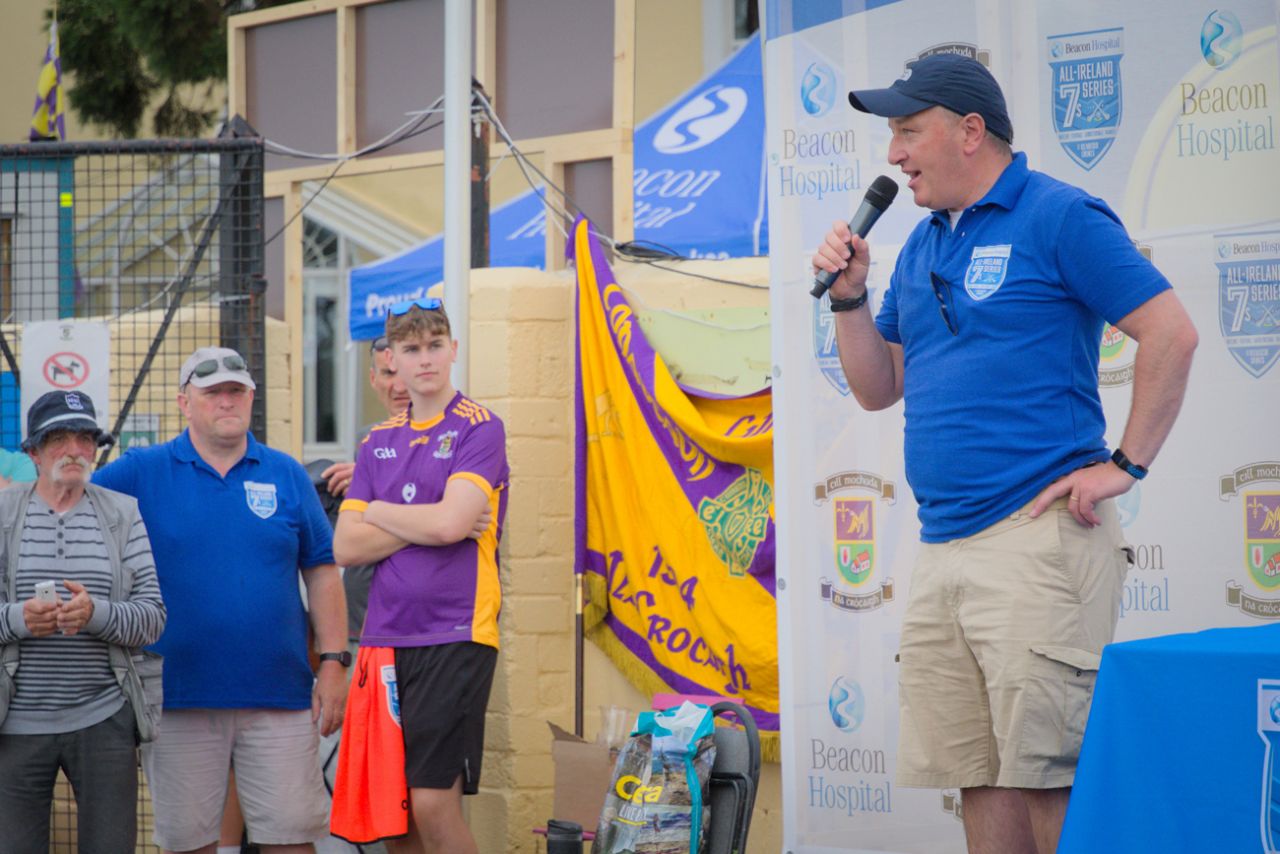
x=1249 y=297
x=1086 y=92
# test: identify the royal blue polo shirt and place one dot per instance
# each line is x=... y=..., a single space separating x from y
x=228 y=551
x=998 y=410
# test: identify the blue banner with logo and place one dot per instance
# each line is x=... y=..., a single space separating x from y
x=699 y=193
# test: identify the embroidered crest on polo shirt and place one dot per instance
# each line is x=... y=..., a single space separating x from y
x=987 y=268
x=410 y=490
x=444 y=450
x=261 y=498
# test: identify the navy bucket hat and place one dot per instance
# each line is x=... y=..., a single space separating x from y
x=62 y=410
x=949 y=80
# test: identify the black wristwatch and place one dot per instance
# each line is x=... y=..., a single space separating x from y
x=343 y=658
x=1134 y=470
x=849 y=304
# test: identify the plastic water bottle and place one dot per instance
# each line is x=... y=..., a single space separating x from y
x=1269 y=729
x=564 y=837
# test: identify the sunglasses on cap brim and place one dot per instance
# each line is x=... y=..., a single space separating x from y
x=424 y=303
x=210 y=366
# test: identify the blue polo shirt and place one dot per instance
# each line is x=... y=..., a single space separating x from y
x=1010 y=402
x=227 y=552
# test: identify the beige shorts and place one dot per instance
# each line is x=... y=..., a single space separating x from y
x=1000 y=647
x=277 y=767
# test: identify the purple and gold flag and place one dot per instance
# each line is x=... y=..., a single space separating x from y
x=674 y=513
x=47 y=122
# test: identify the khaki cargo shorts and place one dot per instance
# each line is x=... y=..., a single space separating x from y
x=1000 y=647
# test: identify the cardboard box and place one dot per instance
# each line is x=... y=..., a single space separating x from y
x=583 y=774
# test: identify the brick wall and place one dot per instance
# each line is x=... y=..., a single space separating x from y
x=522 y=367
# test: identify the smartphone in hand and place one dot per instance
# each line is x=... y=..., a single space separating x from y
x=47 y=591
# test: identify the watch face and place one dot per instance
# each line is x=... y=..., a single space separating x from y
x=343 y=658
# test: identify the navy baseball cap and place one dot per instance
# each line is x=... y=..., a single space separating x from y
x=950 y=80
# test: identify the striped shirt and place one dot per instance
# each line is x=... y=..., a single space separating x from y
x=65 y=682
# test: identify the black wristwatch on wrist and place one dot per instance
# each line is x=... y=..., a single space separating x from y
x=849 y=304
x=343 y=658
x=1131 y=468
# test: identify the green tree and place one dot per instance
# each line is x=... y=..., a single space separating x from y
x=123 y=52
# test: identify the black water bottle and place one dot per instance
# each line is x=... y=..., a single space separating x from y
x=564 y=837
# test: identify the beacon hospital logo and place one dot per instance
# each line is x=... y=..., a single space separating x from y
x=854 y=541
x=1221 y=38
x=846 y=704
x=1257 y=487
x=1249 y=297
x=1085 y=92
x=818 y=88
x=701 y=120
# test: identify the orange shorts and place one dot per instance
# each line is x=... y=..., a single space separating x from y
x=370 y=796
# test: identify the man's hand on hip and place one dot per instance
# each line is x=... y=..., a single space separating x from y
x=329 y=697
x=1085 y=488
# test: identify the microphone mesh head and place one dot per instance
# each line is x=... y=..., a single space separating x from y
x=882 y=192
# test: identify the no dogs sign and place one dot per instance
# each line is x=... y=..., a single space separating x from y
x=61 y=355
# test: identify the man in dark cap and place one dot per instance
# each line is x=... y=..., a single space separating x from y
x=78 y=597
x=990 y=330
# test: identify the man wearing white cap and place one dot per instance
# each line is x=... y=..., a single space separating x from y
x=233 y=523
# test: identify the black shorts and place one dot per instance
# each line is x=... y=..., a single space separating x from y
x=444 y=691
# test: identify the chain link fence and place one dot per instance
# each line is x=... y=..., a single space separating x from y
x=117 y=260
x=158 y=241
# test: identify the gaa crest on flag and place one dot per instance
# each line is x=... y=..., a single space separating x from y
x=1086 y=92
x=1249 y=298
x=737 y=520
x=855 y=543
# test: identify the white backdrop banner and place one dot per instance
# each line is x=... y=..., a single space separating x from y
x=1167 y=109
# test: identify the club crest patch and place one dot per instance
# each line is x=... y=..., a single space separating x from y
x=444 y=450
x=261 y=498
x=987 y=268
x=388 y=677
x=409 y=491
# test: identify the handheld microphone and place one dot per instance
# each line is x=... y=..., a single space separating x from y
x=879 y=196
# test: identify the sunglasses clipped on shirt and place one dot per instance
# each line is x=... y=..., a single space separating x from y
x=946 y=307
x=424 y=303
x=210 y=366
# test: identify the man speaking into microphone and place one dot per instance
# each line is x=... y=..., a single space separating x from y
x=990 y=331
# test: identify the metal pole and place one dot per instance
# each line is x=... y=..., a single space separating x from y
x=457 y=179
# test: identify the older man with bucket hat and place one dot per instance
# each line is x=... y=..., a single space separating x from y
x=235 y=523
x=990 y=331
x=78 y=598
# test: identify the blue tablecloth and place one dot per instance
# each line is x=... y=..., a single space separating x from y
x=1175 y=754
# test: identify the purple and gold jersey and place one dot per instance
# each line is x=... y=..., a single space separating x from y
x=429 y=595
